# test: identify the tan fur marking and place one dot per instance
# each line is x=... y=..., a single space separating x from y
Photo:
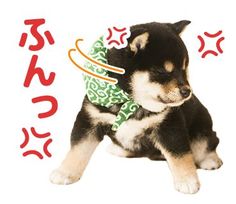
x=169 y=67
x=199 y=150
x=181 y=166
x=183 y=170
x=79 y=155
x=172 y=85
x=184 y=64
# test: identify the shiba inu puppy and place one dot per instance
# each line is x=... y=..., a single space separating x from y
x=170 y=123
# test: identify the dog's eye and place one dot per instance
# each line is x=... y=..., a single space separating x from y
x=160 y=75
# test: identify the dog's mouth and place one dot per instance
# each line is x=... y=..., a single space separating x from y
x=173 y=103
x=164 y=101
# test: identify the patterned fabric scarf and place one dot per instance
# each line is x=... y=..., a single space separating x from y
x=103 y=93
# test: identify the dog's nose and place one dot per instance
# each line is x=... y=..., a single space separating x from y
x=185 y=91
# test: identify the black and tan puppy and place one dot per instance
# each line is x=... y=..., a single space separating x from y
x=170 y=123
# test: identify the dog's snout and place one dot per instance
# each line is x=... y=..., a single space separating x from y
x=185 y=91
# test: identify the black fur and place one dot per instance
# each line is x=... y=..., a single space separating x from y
x=183 y=124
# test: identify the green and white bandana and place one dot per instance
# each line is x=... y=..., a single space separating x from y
x=103 y=93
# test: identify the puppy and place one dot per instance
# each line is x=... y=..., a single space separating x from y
x=170 y=122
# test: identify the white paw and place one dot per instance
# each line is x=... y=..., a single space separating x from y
x=211 y=162
x=188 y=185
x=62 y=177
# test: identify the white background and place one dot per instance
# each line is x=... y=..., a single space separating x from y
x=107 y=179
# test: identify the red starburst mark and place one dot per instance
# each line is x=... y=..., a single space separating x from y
x=116 y=37
x=39 y=136
x=211 y=51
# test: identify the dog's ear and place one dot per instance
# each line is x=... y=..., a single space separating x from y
x=179 y=26
x=138 y=41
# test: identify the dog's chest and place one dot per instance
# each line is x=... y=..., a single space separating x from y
x=131 y=132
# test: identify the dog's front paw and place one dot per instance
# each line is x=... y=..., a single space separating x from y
x=211 y=162
x=188 y=185
x=63 y=177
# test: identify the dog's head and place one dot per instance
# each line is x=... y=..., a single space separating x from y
x=156 y=62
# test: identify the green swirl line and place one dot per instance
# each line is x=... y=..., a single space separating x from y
x=104 y=94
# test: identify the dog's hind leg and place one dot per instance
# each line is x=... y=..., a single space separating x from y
x=204 y=152
x=84 y=140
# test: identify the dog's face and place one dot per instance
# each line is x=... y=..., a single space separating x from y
x=156 y=62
